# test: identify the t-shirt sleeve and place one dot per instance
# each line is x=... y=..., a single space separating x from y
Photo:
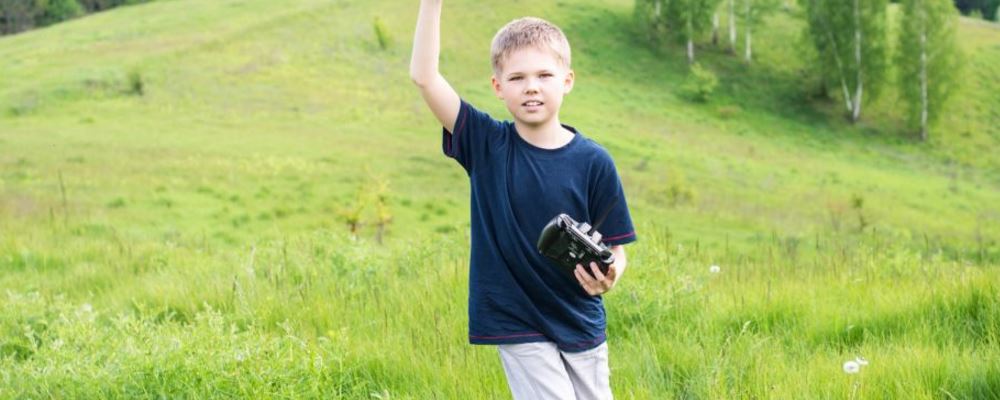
x=471 y=141
x=609 y=198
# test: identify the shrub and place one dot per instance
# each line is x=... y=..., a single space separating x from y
x=382 y=34
x=56 y=11
x=700 y=84
x=136 y=86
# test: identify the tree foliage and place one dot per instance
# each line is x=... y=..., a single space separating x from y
x=55 y=11
x=988 y=8
x=687 y=19
x=680 y=20
x=21 y=15
x=754 y=11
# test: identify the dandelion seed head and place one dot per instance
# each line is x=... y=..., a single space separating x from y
x=852 y=367
x=714 y=269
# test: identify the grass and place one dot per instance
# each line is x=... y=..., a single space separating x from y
x=172 y=177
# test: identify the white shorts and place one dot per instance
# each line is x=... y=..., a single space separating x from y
x=542 y=371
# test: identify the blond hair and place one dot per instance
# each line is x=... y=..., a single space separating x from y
x=528 y=32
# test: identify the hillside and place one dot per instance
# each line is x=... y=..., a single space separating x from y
x=255 y=90
x=174 y=178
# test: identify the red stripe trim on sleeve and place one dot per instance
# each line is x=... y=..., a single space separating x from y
x=620 y=236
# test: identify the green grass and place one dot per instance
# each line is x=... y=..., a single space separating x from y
x=187 y=241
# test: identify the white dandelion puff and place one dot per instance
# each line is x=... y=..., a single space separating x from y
x=714 y=269
x=87 y=308
x=852 y=367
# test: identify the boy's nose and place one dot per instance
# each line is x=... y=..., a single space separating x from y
x=531 y=87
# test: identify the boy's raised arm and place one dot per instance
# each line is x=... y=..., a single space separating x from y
x=438 y=94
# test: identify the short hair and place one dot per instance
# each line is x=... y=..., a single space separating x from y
x=529 y=32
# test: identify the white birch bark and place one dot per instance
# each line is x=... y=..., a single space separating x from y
x=656 y=8
x=732 y=24
x=715 y=29
x=840 y=71
x=749 y=24
x=690 y=51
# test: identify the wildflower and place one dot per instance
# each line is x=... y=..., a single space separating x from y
x=861 y=361
x=714 y=269
x=87 y=308
x=852 y=367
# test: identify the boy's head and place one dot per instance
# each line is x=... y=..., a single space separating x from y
x=531 y=69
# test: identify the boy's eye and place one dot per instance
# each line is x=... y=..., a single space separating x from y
x=515 y=78
x=546 y=75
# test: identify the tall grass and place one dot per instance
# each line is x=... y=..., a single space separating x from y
x=320 y=314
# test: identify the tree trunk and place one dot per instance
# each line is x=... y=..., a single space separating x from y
x=715 y=29
x=690 y=51
x=923 y=72
x=656 y=8
x=840 y=67
x=732 y=25
x=857 y=58
x=748 y=21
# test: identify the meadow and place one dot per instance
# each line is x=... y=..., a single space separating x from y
x=175 y=176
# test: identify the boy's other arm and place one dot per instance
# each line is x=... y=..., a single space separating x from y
x=437 y=93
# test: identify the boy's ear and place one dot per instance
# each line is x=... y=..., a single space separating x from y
x=568 y=82
x=496 y=87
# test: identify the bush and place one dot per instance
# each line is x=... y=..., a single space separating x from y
x=56 y=11
x=100 y=5
x=135 y=83
x=382 y=34
x=700 y=84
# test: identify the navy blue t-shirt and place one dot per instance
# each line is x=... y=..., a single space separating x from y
x=516 y=295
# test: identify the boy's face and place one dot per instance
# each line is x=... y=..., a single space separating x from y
x=532 y=82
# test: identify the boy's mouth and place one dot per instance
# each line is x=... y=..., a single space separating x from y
x=532 y=103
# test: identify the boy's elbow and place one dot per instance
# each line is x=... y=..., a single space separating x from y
x=418 y=80
x=421 y=80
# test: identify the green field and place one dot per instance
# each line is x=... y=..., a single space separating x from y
x=173 y=179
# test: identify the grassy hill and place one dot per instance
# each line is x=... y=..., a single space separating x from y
x=181 y=167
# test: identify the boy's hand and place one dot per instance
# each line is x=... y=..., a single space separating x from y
x=599 y=283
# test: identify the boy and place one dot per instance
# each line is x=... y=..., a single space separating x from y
x=549 y=326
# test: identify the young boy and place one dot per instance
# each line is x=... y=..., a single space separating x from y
x=549 y=326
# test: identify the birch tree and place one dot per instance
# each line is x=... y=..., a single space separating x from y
x=927 y=60
x=753 y=12
x=688 y=19
x=651 y=18
x=682 y=20
x=850 y=39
